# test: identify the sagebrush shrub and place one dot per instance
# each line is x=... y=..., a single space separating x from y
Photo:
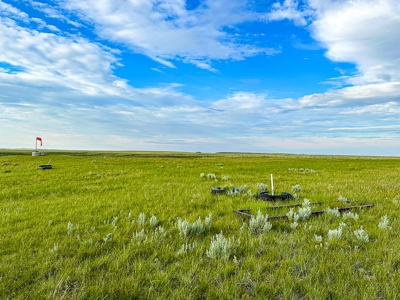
x=304 y=211
x=361 y=235
x=350 y=215
x=336 y=234
x=70 y=228
x=153 y=221
x=318 y=238
x=186 y=247
x=142 y=218
x=333 y=212
x=139 y=236
x=262 y=187
x=384 y=223
x=159 y=232
x=196 y=228
x=259 y=224
x=211 y=176
x=220 y=247
x=296 y=188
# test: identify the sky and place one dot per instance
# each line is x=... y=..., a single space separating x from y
x=269 y=76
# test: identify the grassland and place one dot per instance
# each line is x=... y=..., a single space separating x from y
x=84 y=229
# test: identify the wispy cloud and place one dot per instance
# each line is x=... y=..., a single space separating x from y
x=8 y=11
x=49 y=60
x=355 y=95
x=374 y=128
x=167 y=31
x=290 y=10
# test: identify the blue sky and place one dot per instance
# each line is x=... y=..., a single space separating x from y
x=311 y=77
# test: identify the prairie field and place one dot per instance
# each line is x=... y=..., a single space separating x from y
x=145 y=225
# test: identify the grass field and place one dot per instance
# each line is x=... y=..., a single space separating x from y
x=125 y=225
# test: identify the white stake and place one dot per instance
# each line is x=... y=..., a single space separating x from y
x=272 y=184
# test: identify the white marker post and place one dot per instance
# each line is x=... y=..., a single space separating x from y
x=272 y=184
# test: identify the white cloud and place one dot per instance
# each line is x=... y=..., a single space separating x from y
x=157 y=70
x=52 y=10
x=53 y=28
x=47 y=60
x=373 y=128
x=9 y=11
x=202 y=65
x=364 y=32
x=384 y=109
x=241 y=102
x=290 y=10
x=355 y=95
x=166 y=30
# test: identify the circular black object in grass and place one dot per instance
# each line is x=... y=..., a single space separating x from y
x=265 y=196
x=286 y=196
x=218 y=190
x=43 y=167
x=282 y=197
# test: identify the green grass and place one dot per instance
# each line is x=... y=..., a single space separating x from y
x=105 y=253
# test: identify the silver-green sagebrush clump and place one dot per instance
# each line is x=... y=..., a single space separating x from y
x=187 y=228
x=259 y=224
x=384 y=223
x=296 y=188
x=220 y=247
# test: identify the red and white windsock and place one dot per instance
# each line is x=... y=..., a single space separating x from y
x=38 y=139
